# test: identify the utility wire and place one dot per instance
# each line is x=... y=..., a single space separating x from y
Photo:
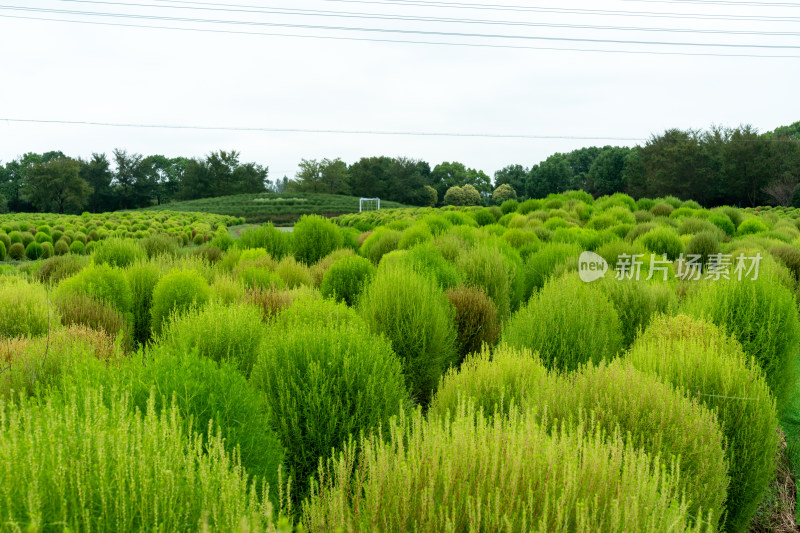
x=377 y=16
x=721 y=3
x=403 y=41
x=395 y=31
x=502 y=7
x=311 y=130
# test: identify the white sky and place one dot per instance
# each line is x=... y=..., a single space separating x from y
x=89 y=72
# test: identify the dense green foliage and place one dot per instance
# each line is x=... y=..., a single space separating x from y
x=324 y=382
x=709 y=366
x=176 y=293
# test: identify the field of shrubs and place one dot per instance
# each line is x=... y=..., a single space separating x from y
x=402 y=370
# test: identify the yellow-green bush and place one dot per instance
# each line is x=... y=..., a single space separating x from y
x=175 y=293
x=710 y=367
x=25 y=309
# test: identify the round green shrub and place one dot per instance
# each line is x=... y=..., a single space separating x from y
x=103 y=283
x=512 y=473
x=225 y=333
x=176 y=293
x=509 y=206
x=414 y=235
x=703 y=244
x=636 y=302
x=5 y=240
x=663 y=241
x=15 y=237
x=324 y=383
x=34 y=251
x=710 y=367
x=379 y=243
x=476 y=319
x=346 y=278
x=43 y=237
x=80 y=309
x=414 y=314
x=314 y=238
x=656 y=417
x=789 y=256
x=256 y=277
x=751 y=226
x=484 y=266
x=569 y=323
x=47 y=250
x=426 y=259
x=16 y=251
x=27 y=238
x=206 y=391
x=761 y=314
x=119 y=252
x=662 y=210
x=61 y=247
x=540 y=265
x=133 y=470
x=25 y=309
x=2 y=251
x=293 y=274
x=57 y=268
x=277 y=243
x=159 y=244
x=76 y=248
x=199 y=239
x=483 y=217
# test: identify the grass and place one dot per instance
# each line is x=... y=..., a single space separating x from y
x=284 y=208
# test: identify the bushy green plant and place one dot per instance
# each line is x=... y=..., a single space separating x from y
x=25 y=309
x=346 y=278
x=751 y=226
x=77 y=248
x=126 y=471
x=569 y=323
x=276 y=242
x=2 y=251
x=5 y=240
x=762 y=316
x=225 y=333
x=61 y=247
x=292 y=273
x=709 y=366
x=379 y=243
x=78 y=308
x=323 y=383
x=314 y=238
x=257 y=277
x=33 y=365
x=33 y=251
x=512 y=475
x=47 y=250
x=663 y=241
x=118 y=252
x=142 y=277
x=176 y=293
x=486 y=267
x=509 y=206
x=789 y=256
x=16 y=251
x=540 y=265
x=159 y=244
x=704 y=244
x=414 y=235
x=204 y=390
x=615 y=396
x=426 y=259
x=476 y=319
x=414 y=314
x=636 y=302
x=103 y=283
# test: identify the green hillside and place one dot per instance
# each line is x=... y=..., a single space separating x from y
x=270 y=207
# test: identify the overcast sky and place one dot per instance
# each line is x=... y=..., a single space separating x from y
x=74 y=71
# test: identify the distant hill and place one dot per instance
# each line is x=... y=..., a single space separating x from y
x=269 y=207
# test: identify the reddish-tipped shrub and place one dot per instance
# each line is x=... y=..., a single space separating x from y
x=475 y=318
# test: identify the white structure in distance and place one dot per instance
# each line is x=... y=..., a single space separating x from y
x=362 y=202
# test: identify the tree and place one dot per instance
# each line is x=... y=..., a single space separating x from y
x=429 y=198
x=513 y=175
x=334 y=177
x=57 y=186
x=369 y=177
x=128 y=178
x=97 y=173
x=553 y=175
x=781 y=190
x=471 y=195
x=3 y=204
x=15 y=176
x=309 y=177
x=454 y=196
x=504 y=192
x=580 y=162
x=446 y=175
x=606 y=173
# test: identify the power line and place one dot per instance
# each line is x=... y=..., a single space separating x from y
x=311 y=130
x=494 y=7
x=404 y=41
x=234 y=8
x=396 y=31
x=721 y=3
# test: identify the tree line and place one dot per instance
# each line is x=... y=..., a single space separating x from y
x=733 y=166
